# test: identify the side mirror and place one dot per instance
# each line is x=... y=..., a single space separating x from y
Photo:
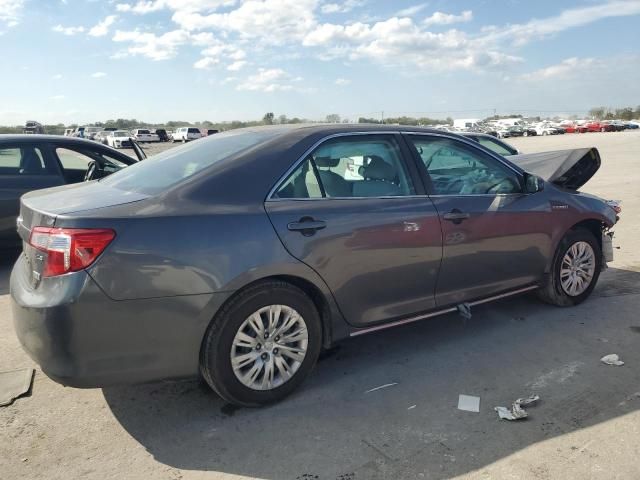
x=533 y=183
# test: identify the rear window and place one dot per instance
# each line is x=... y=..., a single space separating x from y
x=141 y=132
x=170 y=167
x=194 y=130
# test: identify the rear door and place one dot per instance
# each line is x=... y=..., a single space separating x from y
x=372 y=235
x=23 y=167
x=495 y=237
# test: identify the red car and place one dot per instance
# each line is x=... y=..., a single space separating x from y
x=599 y=127
x=569 y=128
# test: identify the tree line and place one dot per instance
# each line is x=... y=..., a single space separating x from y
x=269 y=118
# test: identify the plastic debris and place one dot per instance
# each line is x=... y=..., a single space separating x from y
x=612 y=359
x=15 y=384
x=464 y=309
x=412 y=407
x=386 y=385
x=516 y=412
x=469 y=403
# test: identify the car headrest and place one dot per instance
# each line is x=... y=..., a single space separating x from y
x=327 y=162
x=378 y=169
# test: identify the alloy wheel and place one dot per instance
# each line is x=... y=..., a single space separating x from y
x=269 y=347
x=577 y=269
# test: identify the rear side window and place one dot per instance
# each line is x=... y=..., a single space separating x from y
x=495 y=146
x=302 y=183
x=170 y=167
x=25 y=160
x=194 y=130
x=72 y=160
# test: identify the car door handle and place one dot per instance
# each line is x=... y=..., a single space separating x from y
x=456 y=216
x=307 y=226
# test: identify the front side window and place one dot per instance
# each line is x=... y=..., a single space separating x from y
x=455 y=168
x=302 y=183
x=496 y=146
x=355 y=167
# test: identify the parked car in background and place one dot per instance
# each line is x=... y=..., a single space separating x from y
x=162 y=135
x=119 y=139
x=33 y=127
x=545 y=129
x=528 y=131
x=101 y=137
x=599 y=127
x=68 y=132
x=616 y=125
x=574 y=128
x=186 y=134
x=243 y=255
x=632 y=125
x=91 y=132
x=32 y=162
x=494 y=144
x=212 y=131
x=144 y=135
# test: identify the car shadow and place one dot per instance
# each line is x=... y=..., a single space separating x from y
x=384 y=405
x=7 y=259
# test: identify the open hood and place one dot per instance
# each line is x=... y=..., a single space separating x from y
x=566 y=168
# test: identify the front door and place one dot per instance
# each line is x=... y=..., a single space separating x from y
x=353 y=212
x=495 y=237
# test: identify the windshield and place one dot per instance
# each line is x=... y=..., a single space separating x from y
x=120 y=134
x=170 y=167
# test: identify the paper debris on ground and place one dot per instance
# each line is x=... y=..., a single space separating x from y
x=14 y=384
x=386 y=385
x=516 y=412
x=464 y=309
x=469 y=403
x=612 y=359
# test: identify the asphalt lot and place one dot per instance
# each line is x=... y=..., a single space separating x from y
x=587 y=424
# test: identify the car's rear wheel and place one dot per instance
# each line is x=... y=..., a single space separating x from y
x=576 y=269
x=262 y=344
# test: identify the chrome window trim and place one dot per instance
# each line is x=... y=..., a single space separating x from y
x=295 y=165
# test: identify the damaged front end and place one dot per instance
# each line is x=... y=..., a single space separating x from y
x=608 y=233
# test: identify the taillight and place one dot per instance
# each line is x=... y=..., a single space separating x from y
x=69 y=249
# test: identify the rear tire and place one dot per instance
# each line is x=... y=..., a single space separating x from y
x=557 y=289
x=229 y=338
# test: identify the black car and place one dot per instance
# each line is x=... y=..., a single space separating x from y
x=162 y=134
x=32 y=162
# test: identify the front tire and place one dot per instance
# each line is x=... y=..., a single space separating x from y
x=261 y=345
x=575 y=270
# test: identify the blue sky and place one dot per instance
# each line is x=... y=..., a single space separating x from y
x=156 y=60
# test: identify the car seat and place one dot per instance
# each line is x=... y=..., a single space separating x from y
x=378 y=180
x=334 y=185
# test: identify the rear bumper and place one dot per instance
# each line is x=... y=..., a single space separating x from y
x=82 y=338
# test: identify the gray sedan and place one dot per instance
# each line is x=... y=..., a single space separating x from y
x=243 y=255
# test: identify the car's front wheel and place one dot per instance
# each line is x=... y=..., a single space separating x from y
x=260 y=347
x=576 y=269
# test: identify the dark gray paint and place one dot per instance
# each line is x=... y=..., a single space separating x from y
x=139 y=313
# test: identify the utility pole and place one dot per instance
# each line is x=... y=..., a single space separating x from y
x=382 y=116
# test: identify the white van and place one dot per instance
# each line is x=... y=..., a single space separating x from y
x=186 y=134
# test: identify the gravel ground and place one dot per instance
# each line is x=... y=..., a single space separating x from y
x=587 y=424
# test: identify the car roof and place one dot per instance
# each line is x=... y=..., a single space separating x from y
x=20 y=137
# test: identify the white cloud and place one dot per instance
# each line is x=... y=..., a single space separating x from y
x=98 y=75
x=148 y=6
x=439 y=18
x=102 y=28
x=411 y=11
x=237 y=65
x=57 y=76
x=70 y=31
x=267 y=80
x=273 y=21
x=206 y=63
x=569 y=67
x=342 y=82
x=155 y=47
x=10 y=12
x=572 y=18
x=343 y=7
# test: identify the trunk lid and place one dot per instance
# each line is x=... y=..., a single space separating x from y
x=569 y=169
x=42 y=208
